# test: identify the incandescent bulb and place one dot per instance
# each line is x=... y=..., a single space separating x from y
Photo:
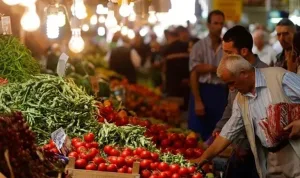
x=124 y=30
x=152 y=17
x=93 y=20
x=76 y=44
x=125 y=9
x=101 y=19
x=111 y=21
x=101 y=31
x=52 y=28
x=132 y=16
x=12 y=2
x=61 y=19
x=30 y=21
x=78 y=9
x=131 y=34
x=85 y=27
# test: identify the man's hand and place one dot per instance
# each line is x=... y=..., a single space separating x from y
x=295 y=129
x=199 y=108
x=216 y=132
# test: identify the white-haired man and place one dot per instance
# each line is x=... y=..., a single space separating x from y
x=261 y=47
x=258 y=88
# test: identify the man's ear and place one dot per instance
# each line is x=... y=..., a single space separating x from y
x=244 y=52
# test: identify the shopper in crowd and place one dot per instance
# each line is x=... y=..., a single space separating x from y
x=125 y=60
x=258 y=88
x=142 y=49
x=285 y=33
x=238 y=40
x=261 y=47
x=184 y=34
x=209 y=94
x=176 y=67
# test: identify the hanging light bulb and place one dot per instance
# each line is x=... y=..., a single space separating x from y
x=124 y=30
x=124 y=9
x=101 y=19
x=152 y=19
x=61 y=17
x=94 y=19
x=131 y=34
x=78 y=9
x=52 y=28
x=85 y=27
x=30 y=21
x=76 y=44
x=111 y=21
x=132 y=16
x=101 y=31
x=12 y=2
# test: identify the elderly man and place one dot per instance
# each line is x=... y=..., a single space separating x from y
x=285 y=33
x=261 y=47
x=258 y=88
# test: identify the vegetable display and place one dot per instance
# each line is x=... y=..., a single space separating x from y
x=16 y=61
x=17 y=142
x=48 y=103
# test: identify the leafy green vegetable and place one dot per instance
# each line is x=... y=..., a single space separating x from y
x=50 y=102
x=16 y=61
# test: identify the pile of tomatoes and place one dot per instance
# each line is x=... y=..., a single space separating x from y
x=89 y=156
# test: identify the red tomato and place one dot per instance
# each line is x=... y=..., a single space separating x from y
x=114 y=152
x=113 y=159
x=54 y=150
x=189 y=152
x=191 y=143
x=74 y=140
x=52 y=143
x=145 y=155
x=128 y=150
x=163 y=175
x=102 y=167
x=129 y=170
x=173 y=136
x=145 y=173
x=163 y=166
x=182 y=137
x=120 y=161
x=91 y=166
x=145 y=164
x=198 y=152
x=122 y=170
x=139 y=150
x=169 y=173
x=85 y=155
x=125 y=153
x=89 y=137
x=155 y=156
x=73 y=154
x=129 y=161
x=98 y=160
x=178 y=144
x=191 y=169
x=174 y=168
x=183 y=171
x=206 y=168
x=107 y=149
x=47 y=147
x=93 y=152
x=165 y=143
x=94 y=145
x=80 y=163
x=153 y=176
x=153 y=166
x=81 y=149
x=79 y=144
x=175 y=175
x=112 y=168
x=197 y=175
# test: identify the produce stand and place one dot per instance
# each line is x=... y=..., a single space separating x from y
x=77 y=173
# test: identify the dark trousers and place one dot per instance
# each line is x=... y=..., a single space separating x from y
x=241 y=167
x=214 y=98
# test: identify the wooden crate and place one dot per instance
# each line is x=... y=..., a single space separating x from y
x=80 y=173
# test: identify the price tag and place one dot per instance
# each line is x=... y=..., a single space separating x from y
x=61 y=65
x=5 y=25
x=62 y=141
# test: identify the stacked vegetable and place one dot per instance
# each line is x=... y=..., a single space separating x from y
x=16 y=61
x=116 y=158
x=21 y=158
x=48 y=103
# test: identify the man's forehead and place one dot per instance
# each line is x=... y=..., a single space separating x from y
x=282 y=29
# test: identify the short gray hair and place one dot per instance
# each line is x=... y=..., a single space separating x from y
x=234 y=64
x=261 y=34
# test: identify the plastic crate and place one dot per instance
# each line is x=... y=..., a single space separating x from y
x=80 y=173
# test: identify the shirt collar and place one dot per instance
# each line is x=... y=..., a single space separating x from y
x=259 y=79
x=209 y=43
